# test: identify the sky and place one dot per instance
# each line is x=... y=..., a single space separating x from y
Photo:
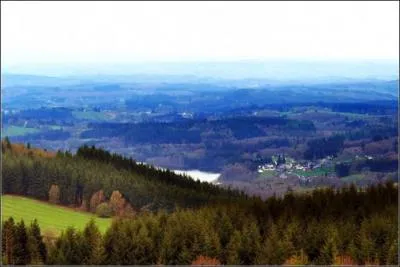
x=40 y=33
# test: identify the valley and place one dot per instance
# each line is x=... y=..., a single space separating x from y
x=192 y=126
x=64 y=201
x=208 y=133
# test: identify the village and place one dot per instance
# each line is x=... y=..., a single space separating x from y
x=282 y=166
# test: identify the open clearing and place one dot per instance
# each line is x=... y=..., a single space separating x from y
x=50 y=217
x=18 y=131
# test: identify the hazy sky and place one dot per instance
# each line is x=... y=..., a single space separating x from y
x=101 y=32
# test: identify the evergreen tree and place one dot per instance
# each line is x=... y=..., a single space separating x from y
x=92 y=244
x=354 y=252
x=144 y=247
x=393 y=256
x=7 y=142
x=329 y=249
x=68 y=248
x=275 y=248
x=22 y=254
x=56 y=255
x=250 y=244
x=367 y=253
x=233 y=249
x=8 y=241
x=116 y=244
x=36 y=245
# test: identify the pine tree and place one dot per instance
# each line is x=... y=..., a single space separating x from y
x=367 y=252
x=393 y=256
x=328 y=252
x=250 y=244
x=36 y=244
x=353 y=251
x=275 y=248
x=69 y=248
x=232 y=249
x=143 y=247
x=8 y=241
x=7 y=142
x=212 y=246
x=116 y=244
x=56 y=255
x=21 y=250
x=92 y=244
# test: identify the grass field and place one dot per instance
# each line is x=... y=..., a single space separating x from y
x=314 y=172
x=50 y=217
x=353 y=178
x=268 y=174
x=91 y=115
x=17 y=131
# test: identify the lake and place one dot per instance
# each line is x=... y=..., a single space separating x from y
x=200 y=175
x=210 y=177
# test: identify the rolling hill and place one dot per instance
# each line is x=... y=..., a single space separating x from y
x=51 y=217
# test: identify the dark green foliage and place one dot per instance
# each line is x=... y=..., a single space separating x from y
x=90 y=170
x=37 y=247
x=360 y=224
x=52 y=135
x=22 y=245
x=281 y=159
x=104 y=210
x=276 y=247
x=21 y=249
x=7 y=142
x=68 y=249
x=322 y=147
x=342 y=169
x=378 y=164
x=187 y=235
x=382 y=165
x=8 y=241
x=220 y=224
x=232 y=251
x=328 y=251
x=250 y=244
x=92 y=245
x=371 y=131
x=192 y=131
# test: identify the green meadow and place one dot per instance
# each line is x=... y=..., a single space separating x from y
x=50 y=217
x=18 y=131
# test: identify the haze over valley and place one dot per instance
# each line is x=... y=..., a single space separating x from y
x=200 y=133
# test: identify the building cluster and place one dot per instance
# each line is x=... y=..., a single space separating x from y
x=282 y=165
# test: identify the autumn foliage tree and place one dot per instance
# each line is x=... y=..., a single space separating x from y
x=54 y=194
x=96 y=199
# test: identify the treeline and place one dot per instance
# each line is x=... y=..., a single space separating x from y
x=345 y=226
x=44 y=114
x=373 y=132
x=193 y=131
x=323 y=147
x=22 y=244
x=49 y=135
x=123 y=163
x=369 y=107
x=75 y=179
x=380 y=164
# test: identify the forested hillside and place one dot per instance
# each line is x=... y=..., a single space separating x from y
x=346 y=226
x=164 y=218
x=92 y=176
